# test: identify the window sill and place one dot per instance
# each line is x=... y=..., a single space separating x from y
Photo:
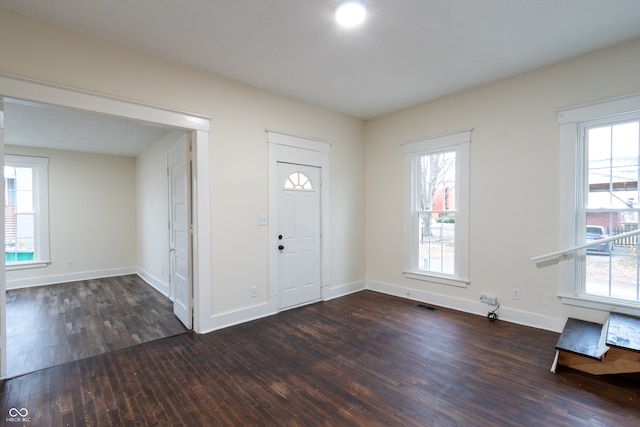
x=601 y=303
x=26 y=265
x=444 y=280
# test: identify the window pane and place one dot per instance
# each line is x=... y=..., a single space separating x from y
x=24 y=190
x=613 y=166
x=25 y=226
x=298 y=181
x=614 y=274
x=436 y=179
x=436 y=251
x=624 y=146
x=613 y=154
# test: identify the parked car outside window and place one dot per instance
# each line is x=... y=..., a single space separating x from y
x=596 y=232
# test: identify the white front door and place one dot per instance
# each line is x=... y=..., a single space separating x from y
x=298 y=234
x=180 y=230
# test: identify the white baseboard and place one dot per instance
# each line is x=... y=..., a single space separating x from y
x=342 y=290
x=74 y=277
x=507 y=314
x=155 y=283
x=243 y=315
x=231 y=318
x=235 y=317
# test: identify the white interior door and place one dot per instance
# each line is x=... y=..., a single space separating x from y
x=298 y=234
x=180 y=231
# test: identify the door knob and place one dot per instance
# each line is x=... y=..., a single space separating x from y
x=281 y=247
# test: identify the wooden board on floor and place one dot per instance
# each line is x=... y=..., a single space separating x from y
x=615 y=361
x=624 y=332
x=582 y=338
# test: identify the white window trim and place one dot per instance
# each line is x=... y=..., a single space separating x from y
x=459 y=142
x=570 y=120
x=40 y=166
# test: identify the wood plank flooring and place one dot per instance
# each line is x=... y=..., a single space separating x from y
x=50 y=325
x=365 y=359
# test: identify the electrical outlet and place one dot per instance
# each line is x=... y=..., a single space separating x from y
x=70 y=264
x=253 y=291
x=489 y=299
x=262 y=219
x=515 y=293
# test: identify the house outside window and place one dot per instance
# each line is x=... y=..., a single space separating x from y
x=436 y=209
x=599 y=189
x=26 y=212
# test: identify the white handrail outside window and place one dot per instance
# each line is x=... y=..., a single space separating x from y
x=562 y=254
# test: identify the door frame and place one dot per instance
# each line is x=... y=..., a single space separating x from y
x=287 y=148
x=36 y=91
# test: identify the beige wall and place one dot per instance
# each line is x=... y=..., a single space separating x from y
x=92 y=217
x=238 y=150
x=514 y=182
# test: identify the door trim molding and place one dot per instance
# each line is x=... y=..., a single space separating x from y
x=287 y=148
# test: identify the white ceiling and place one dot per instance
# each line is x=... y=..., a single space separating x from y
x=407 y=52
x=32 y=124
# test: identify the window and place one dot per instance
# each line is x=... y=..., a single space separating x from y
x=298 y=181
x=609 y=181
x=26 y=212
x=600 y=196
x=436 y=209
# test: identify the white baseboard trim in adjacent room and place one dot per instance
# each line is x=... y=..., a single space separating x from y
x=507 y=314
x=155 y=283
x=64 y=278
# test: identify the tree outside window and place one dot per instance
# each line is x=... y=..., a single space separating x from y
x=437 y=210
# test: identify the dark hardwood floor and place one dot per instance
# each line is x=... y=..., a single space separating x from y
x=50 y=325
x=365 y=359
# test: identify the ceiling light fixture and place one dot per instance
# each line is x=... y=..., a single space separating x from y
x=350 y=13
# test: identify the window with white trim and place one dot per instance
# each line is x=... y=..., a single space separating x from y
x=26 y=211
x=602 y=140
x=437 y=208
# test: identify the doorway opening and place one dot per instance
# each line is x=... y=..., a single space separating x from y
x=28 y=93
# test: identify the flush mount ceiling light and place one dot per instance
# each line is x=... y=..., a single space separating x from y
x=350 y=13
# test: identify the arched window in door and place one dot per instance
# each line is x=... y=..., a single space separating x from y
x=298 y=181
